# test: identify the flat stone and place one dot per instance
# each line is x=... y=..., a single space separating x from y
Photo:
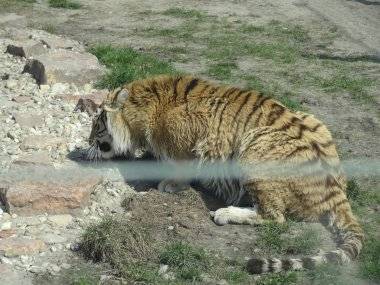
x=66 y=67
x=97 y=97
x=10 y=277
x=36 y=158
x=53 y=238
x=37 y=142
x=58 y=42
x=6 y=225
x=21 y=99
x=17 y=246
x=61 y=220
x=29 y=120
x=7 y=233
x=28 y=48
x=55 y=197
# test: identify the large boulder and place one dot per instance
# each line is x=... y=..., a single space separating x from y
x=29 y=197
x=65 y=66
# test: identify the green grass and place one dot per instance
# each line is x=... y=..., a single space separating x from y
x=288 y=278
x=126 y=65
x=184 y=13
x=189 y=262
x=361 y=198
x=66 y=4
x=356 y=85
x=277 y=238
x=115 y=241
x=369 y=265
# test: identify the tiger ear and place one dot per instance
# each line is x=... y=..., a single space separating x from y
x=122 y=96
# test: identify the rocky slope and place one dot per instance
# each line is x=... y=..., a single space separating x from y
x=44 y=209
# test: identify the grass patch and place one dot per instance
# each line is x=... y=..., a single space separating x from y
x=355 y=85
x=126 y=65
x=115 y=241
x=184 y=13
x=288 y=278
x=286 y=238
x=370 y=259
x=326 y=274
x=66 y=4
x=360 y=198
x=221 y=71
x=189 y=262
x=49 y=28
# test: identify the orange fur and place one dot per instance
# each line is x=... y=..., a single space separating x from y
x=181 y=118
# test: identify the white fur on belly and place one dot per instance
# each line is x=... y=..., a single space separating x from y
x=236 y=215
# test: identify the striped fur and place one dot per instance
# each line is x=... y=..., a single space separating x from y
x=183 y=118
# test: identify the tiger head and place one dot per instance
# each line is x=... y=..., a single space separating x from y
x=109 y=135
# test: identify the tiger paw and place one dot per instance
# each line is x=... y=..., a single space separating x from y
x=236 y=215
x=172 y=186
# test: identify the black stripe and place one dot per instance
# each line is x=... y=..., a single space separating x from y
x=241 y=106
x=221 y=118
x=344 y=201
x=154 y=90
x=175 y=83
x=308 y=263
x=257 y=105
x=298 y=149
x=326 y=144
x=286 y=264
x=193 y=83
x=275 y=115
x=306 y=128
x=271 y=265
x=331 y=195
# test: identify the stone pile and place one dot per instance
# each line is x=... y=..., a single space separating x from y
x=43 y=211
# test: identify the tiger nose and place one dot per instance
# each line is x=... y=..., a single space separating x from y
x=105 y=146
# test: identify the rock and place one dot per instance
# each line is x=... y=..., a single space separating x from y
x=21 y=246
x=37 y=70
x=31 y=197
x=11 y=84
x=5 y=76
x=37 y=142
x=7 y=233
x=10 y=277
x=29 y=120
x=36 y=158
x=60 y=88
x=6 y=226
x=21 y=99
x=61 y=220
x=66 y=67
x=26 y=48
x=97 y=97
x=53 y=238
x=57 y=42
x=86 y=105
x=15 y=50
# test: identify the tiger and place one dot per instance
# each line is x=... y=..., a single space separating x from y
x=180 y=118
